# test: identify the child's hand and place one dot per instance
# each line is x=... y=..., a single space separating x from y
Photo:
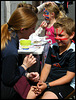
x=43 y=24
x=41 y=86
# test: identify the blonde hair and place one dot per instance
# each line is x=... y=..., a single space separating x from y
x=52 y=7
x=21 y=18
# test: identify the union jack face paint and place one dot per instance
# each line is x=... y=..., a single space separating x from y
x=46 y=14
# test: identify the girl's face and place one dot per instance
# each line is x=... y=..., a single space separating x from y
x=61 y=37
x=46 y=14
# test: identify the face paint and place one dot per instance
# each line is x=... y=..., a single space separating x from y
x=61 y=31
x=46 y=15
x=58 y=37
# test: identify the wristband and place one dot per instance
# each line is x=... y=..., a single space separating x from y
x=48 y=86
x=27 y=74
x=24 y=65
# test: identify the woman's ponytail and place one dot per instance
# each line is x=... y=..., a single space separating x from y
x=5 y=35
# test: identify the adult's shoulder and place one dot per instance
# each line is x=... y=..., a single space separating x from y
x=10 y=49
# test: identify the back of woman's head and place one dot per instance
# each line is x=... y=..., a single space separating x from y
x=21 y=18
x=52 y=7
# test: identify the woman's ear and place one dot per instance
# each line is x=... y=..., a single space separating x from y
x=22 y=30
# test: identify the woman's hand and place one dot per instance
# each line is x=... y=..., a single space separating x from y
x=36 y=90
x=28 y=61
x=33 y=76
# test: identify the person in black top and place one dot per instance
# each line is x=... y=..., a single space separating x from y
x=57 y=77
x=20 y=25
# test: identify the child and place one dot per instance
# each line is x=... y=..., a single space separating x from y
x=51 y=14
x=57 y=78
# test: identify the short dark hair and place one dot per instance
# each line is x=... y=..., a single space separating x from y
x=66 y=23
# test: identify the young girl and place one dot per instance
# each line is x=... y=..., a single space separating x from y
x=51 y=14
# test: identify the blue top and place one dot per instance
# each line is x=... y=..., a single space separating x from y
x=10 y=71
x=61 y=63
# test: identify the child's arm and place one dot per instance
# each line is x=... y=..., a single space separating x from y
x=63 y=80
x=40 y=7
x=45 y=72
x=38 y=31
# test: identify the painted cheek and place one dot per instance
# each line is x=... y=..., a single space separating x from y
x=47 y=16
x=63 y=39
x=59 y=38
x=45 y=11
